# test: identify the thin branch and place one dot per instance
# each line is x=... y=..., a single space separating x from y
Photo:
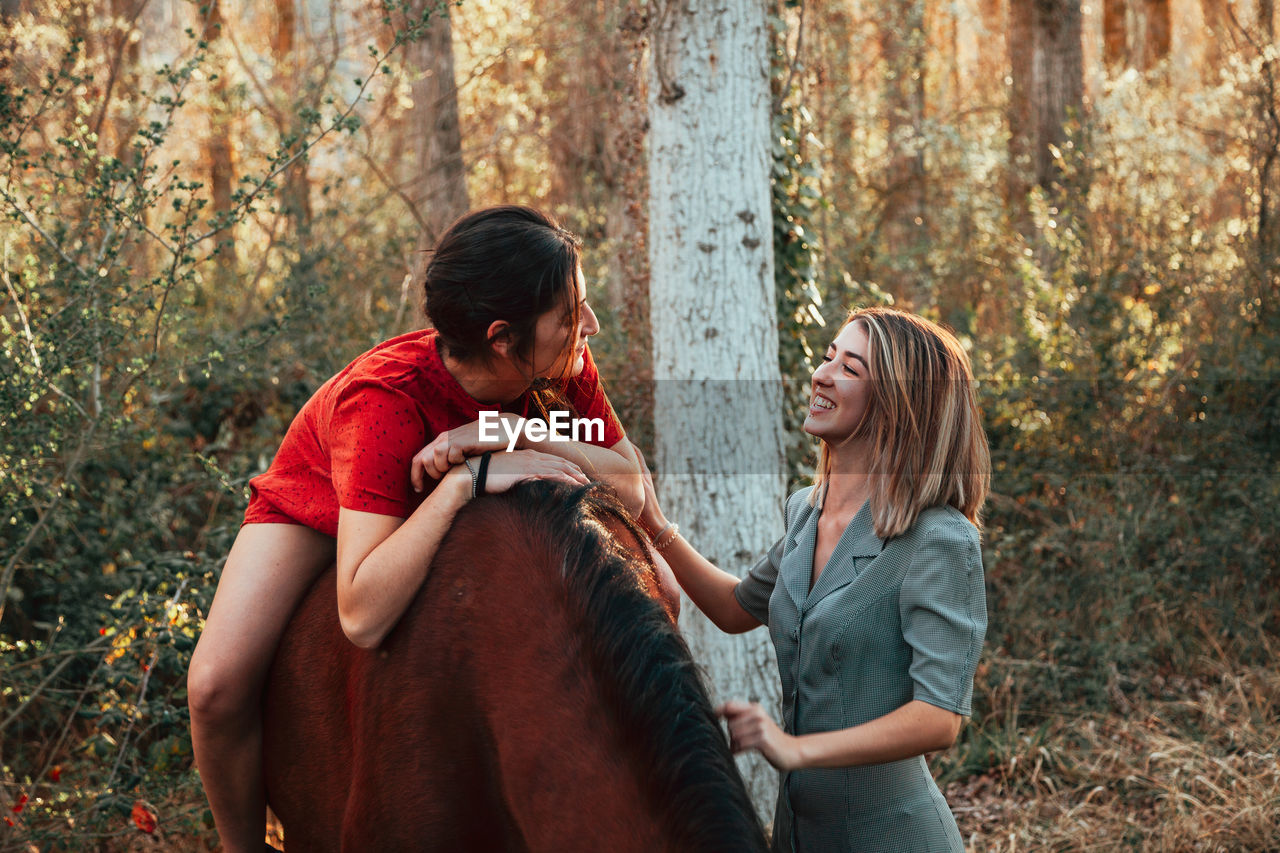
x=142 y=693
x=283 y=165
x=17 y=712
x=30 y=339
x=13 y=202
x=71 y=716
x=17 y=556
x=413 y=208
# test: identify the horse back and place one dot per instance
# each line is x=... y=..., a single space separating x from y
x=377 y=749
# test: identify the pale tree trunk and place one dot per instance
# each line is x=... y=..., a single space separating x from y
x=717 y=406
x=438 y=188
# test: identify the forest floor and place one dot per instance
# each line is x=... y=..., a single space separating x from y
x=1196 y=773
x=1200 y=773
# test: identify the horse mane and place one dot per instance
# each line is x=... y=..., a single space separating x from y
x=645 y=670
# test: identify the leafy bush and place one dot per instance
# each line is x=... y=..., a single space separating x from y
x=156 y=344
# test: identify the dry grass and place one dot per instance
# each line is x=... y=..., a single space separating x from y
x=1200 y=773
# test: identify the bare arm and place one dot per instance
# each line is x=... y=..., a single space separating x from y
x=914 y=729
x=708 y=586
x=383 y=560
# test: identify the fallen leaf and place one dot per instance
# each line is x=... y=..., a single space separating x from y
x=143 y=817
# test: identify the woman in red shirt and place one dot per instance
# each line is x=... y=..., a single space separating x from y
x=376 y=464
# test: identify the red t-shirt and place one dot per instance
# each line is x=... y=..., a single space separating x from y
x=351 y=444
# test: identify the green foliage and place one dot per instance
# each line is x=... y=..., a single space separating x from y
x=1132 y=407
x=1126 y=354
x=152 y=344
x=795 y=201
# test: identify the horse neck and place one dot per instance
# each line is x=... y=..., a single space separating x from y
x=568 y=777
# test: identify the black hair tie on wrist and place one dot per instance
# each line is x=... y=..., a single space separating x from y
x=483 y=472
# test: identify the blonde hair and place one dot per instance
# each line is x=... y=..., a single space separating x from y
x=922 y=422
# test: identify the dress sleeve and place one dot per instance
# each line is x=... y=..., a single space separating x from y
x=587 y=396
x=374 y=432
x=944 y=614
x=754 y=590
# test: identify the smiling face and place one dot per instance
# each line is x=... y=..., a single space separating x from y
x=559 y=347
x=840 y=391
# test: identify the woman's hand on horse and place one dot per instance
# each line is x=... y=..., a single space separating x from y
x=751 y=728
x=651 y=517
x=507 y=469
x=450 y=448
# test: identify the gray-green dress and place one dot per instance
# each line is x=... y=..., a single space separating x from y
x=887 y=622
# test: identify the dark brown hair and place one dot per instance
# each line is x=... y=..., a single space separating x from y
x=507 y=263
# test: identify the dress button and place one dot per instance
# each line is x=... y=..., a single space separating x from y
x=795 y=633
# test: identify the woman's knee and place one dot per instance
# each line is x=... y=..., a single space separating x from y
x=220 y=691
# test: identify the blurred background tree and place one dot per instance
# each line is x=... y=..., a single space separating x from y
x=208 y=208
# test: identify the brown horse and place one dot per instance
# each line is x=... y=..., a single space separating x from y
x=535 y=697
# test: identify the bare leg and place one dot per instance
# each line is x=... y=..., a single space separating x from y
x=269 y=569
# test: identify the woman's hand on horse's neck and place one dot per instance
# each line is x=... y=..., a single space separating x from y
x=615 y=466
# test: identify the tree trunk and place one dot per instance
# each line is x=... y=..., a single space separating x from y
x=125 y=69
x=1217 y=38
x=218 y=151
x=439 y=186
x=836 y=120
x=717 y=405
x=1021 y=43
x=1156 y=33
x=296 y=197
x=627 y=220
x=1047 y=68
x=902 y=50
x=1115 y=34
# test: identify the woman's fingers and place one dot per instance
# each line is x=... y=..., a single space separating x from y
x=651 y=517
x=426 y=462
x=733 y=708
x=421 y=467
x=746 y=724
x=507 y=469
x=441 y=457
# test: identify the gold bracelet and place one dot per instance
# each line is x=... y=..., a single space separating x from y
x=663 y=540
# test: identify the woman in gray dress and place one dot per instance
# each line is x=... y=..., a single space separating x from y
x=874 y=596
